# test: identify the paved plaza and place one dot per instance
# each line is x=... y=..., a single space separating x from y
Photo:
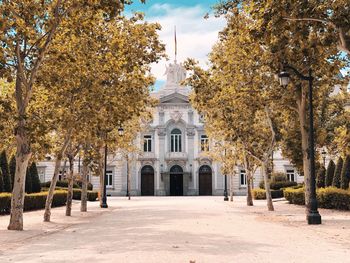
x=178 y=229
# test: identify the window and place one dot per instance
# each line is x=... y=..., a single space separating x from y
x=242 y=178
x=201 y=118
x=62 y=175
x=204 y=143
x=290 y=175
x=41 y=173
x=147 y=143
x=109 y=182
x=175 y=141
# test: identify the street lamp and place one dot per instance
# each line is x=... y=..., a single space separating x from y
x=120 y=131
x=104 y=197
x=313 y=216
x=324 y=154
x=225 y=191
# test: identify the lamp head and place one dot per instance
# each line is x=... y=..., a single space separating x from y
x=284 y=78
x=120 y=131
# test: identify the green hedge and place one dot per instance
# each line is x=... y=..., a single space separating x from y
x=58 y=184
x=91 y=195
x=278 y=184
x=33 y=201
x=260 y=194
x=89 y=185
x=330 y=197
x=295 y=196
x=64 y=184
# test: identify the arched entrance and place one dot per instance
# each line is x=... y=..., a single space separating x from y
x=176 y=181
x=205 y=180
x=147 y=180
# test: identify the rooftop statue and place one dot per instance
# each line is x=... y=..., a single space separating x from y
x=175 y=73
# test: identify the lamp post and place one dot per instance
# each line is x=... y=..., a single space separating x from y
x=104 y=197
x=324 y=154
x=225 y=191
x=313 y=216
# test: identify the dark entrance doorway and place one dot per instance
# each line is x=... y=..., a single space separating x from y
x=176 y=181
x=147 y=180
x=205 y=180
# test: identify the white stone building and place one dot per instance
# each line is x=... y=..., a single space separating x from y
x=171 y=162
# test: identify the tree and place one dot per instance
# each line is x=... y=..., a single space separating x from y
x=28 y=182
x=332 y=17
x=91 y=69
x=321 y=177
x=72 y=151
x=330 y=173
x=337 y=173
x=1 y=182
x=33 y=170
x=345 y=173
x=297 y=45
x=28 y=28
x=7 y=104
x=5 y=172
x=12 y=167
x=233 y=94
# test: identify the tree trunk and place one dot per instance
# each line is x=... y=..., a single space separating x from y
x=83 y=206
x=22 y=158
x=101 y=173
x=249 y=189
x=267 y=186
x=70 y=185
x=23 y=154
x=302 y=112
x=49 y=198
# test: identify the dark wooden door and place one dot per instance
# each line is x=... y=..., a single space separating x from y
x=205 y=181
x=176 y=184
x=147 y=184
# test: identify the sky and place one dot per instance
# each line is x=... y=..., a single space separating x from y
x=195 y=35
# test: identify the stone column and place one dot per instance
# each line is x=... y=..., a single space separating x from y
x=190 y=132
x=160 y=188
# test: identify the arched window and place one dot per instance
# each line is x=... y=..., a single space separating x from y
x=204 y=143
x=175 y=140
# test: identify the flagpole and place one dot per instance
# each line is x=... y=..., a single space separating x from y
x=175 y=45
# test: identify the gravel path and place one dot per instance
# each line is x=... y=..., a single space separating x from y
x=178 y=229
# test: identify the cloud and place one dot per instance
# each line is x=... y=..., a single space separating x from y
x=195 y=35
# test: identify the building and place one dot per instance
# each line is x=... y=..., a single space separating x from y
x=171 y=162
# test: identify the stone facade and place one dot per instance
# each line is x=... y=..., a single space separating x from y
x=172 y=162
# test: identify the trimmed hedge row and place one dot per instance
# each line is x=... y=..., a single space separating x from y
x=278 y=185
x=33 y=201
x=330 y=197
x=91 y=195
x=260 y=194
x=64 y=183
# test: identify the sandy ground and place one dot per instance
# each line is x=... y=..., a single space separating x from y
x=178 y=229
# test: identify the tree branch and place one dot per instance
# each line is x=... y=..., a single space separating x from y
x=314 y=20
x=343 y=46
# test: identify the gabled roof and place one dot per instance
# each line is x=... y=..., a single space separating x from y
x=174 y=98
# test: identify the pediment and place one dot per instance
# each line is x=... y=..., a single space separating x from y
x=174 y=98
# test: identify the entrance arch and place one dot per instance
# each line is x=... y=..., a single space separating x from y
x=176 y=181
x=147 y=180
x=205 y=180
